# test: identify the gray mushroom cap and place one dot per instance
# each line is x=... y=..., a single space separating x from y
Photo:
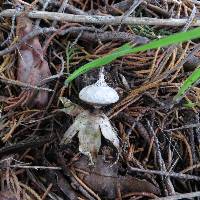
x=95 y=95
x=99 y=93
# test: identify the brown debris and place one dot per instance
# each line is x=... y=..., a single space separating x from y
x=7 y=196
x=159 y=140
x=103 y=178
x=32 y=68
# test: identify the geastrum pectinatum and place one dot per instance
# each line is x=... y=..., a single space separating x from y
x=90 y=125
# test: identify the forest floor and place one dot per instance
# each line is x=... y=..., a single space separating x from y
x=42 y=42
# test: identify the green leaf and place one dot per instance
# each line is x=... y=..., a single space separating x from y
x=190 y=105
x=188 y=83
x=128 y=49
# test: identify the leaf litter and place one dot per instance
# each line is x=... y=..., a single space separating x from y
x=144 y=130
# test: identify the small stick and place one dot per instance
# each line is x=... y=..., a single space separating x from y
x=191 y=168
x=85 y=186
x=97 y=19
x=164 y=173
x=33 y=167
x=26 y=38
x=89 y=35
x=47 y=191
x=26 y=85
x=181 y=196
x=161 y=163
x=37 y=32
x=184 y=127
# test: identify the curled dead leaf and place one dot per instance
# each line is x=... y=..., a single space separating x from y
x=32 y=68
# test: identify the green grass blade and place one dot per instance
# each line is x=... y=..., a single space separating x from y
x=188 y=83
x=128 y=49
x=98 y=62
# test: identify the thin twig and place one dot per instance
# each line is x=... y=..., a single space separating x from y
x=33 y=167
x=191 y=168
x=190 y=19
x=168 y=183
x=58 y=75
x=11 y=34
x=61 y=9
x=25 y=85
x=130 y=11
x=107 y=35
x=181 y=196
x=164 y=173
x=26 y=38
x=37 y=32
x=45 y=5
x=85 y=186
x=98 y=19
x=183 y=127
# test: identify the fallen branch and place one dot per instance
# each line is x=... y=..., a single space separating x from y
x=97 y=19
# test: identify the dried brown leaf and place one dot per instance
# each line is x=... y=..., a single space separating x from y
x=32 y=68
x=103 y=178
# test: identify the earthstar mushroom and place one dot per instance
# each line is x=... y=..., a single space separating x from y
x=90 y=126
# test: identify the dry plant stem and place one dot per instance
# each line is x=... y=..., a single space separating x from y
x=184 y=127
x=45 y=5
x=112 y=35
x=104 y=36
x=26 y=38
x=134 y=5
x=191 y=135
x=190 y=168
x=61 y=9
x=67 y=172
x=157 y=9
x=22 y=146
x=172 y=47
x=11 y=34
x=30 y=190
x=47 y=191
x=130 y=11
x=188 y=147
x=164 y=173
x=85 y=186
x=191 y=19
x=140 y=194
x=180 y=64
x=167 y=181
x=165 y=59
x=97 y=19
x=75 y=10
x=34 y=167
x=181 y=196
x=47 y=107
x=21 y=84
x=132 y=97
x=59 y=74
